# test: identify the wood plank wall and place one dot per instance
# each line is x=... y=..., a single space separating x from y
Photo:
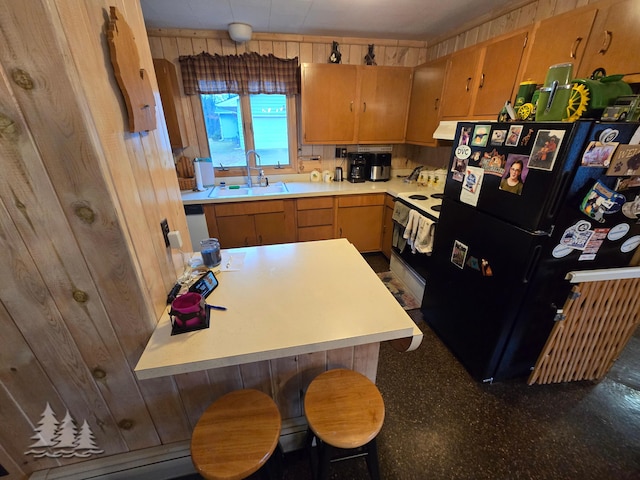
x=85 y=271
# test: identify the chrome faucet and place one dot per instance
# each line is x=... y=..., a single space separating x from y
x=249 y=167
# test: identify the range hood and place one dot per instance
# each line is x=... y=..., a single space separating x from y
x=447 y=128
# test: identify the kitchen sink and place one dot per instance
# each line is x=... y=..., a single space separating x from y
x=244 y=191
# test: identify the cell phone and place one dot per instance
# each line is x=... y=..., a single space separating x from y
x=205 y=284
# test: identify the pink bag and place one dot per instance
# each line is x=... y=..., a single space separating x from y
x=188 y=310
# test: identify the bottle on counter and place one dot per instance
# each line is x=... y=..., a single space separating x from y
x=210 y=250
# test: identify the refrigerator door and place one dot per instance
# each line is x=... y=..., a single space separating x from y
x=545 y=172
x=479 y=282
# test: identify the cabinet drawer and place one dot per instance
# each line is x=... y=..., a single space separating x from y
x=390 y=201
x=314 y=203
x=249 y=208
x=310 y=218
x=361 y=200
x=307 y=234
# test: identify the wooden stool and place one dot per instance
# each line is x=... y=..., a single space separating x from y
x=345 y=410
x=236 y=435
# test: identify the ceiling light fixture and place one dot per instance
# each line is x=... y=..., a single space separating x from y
x=240 y=32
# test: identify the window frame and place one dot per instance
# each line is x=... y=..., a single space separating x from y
x=247 y=131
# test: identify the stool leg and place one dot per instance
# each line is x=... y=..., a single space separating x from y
x=311 y=454
x=273 y=470
x=325 y=459
x=372 y=460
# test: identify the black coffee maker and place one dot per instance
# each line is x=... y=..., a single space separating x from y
x=357 y=166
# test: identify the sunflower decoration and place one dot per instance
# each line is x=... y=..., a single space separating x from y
x=578 y=102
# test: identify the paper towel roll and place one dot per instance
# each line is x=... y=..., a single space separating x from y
x=196 y=167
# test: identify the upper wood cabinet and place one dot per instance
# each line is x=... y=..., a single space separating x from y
x=614 y=41
x=347 y=104
x=383 y=104
x=170 y=95
x=560 y=39
x=459 y=83
x=481 y=79
x=426 y=99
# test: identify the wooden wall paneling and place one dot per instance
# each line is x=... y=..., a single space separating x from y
x=545 y=9
x=22 y=379
x=257 y=375
x=224 y=380
x=15 y=471
x=280 y=49
x=229 y=47
x=195 y=394
x=293 y=50
x=340 y=358
x=155 y=45
x=365 y=360
x=310 y=366
x=162 y=398
x=286 y=385
x=526 y=15
x=87 y=321
x=266 y=47
x=214 y=45
x=306 y=53
x=320 y=54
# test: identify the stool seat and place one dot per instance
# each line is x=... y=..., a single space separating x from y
x=236 y=435
x=344 y=408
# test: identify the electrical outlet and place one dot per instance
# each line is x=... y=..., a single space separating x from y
x=164 y=225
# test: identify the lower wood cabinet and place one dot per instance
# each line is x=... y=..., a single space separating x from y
x=359 y=219
x=315 y=218
x=243 y=224
x=387 y=225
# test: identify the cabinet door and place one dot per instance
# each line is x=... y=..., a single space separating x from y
x=560 y=39
x=497 y=79
x=328 y=103
x=424 y=107
x=383 y=105
x=271 y=228
x=171 y=102
x=614 y=41
x=459 y=84
x=236 y=231
x=362 y=226
x=387 y=227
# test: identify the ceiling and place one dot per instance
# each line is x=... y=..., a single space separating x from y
x=387 y=19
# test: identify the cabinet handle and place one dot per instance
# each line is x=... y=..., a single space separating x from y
x=351 y=106
x=467 y=85
x=340 y=235
x=246 y=241
x=259 y=239
x=607 y=42
x=482 y=81
x=574 y=47
x=365 y=107
x=436 y=104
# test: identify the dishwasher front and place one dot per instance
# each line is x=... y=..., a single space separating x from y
x=197 y=224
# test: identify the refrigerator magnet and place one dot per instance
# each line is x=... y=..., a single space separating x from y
x=598 y=154
x=625 y=161
x=493 y=163
x=577 y=236
x=472 y=262
x=545 y=149
x=471 y=185
x=486 y=268
x=459 y=254
x=498 y=137
x=513 y=136
x=514 y=174
x=480 y=135
x=601 y=201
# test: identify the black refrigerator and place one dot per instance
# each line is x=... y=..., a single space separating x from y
x=524 y=204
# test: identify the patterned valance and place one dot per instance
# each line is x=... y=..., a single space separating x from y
x=249 y=73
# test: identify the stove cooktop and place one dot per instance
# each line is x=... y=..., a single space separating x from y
x=428 y=203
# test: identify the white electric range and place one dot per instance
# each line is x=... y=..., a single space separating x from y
x=427 y=202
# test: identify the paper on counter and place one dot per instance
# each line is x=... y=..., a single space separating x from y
x=232 y=261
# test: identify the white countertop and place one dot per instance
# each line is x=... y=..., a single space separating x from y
x=285 y=300
x=299 y=189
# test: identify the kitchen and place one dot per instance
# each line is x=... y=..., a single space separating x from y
x=105 y=214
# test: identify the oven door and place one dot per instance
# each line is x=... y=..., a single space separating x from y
x=418 y=262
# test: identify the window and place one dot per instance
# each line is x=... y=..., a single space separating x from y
x=236 y=124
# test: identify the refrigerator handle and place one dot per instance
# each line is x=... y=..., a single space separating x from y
x=532 y=264
x=556 y=196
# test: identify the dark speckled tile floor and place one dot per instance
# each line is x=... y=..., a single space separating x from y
x=441 y=424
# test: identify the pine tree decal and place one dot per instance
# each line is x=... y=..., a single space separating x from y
x=62 y=439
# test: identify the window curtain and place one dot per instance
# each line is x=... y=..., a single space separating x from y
x=249 y=73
